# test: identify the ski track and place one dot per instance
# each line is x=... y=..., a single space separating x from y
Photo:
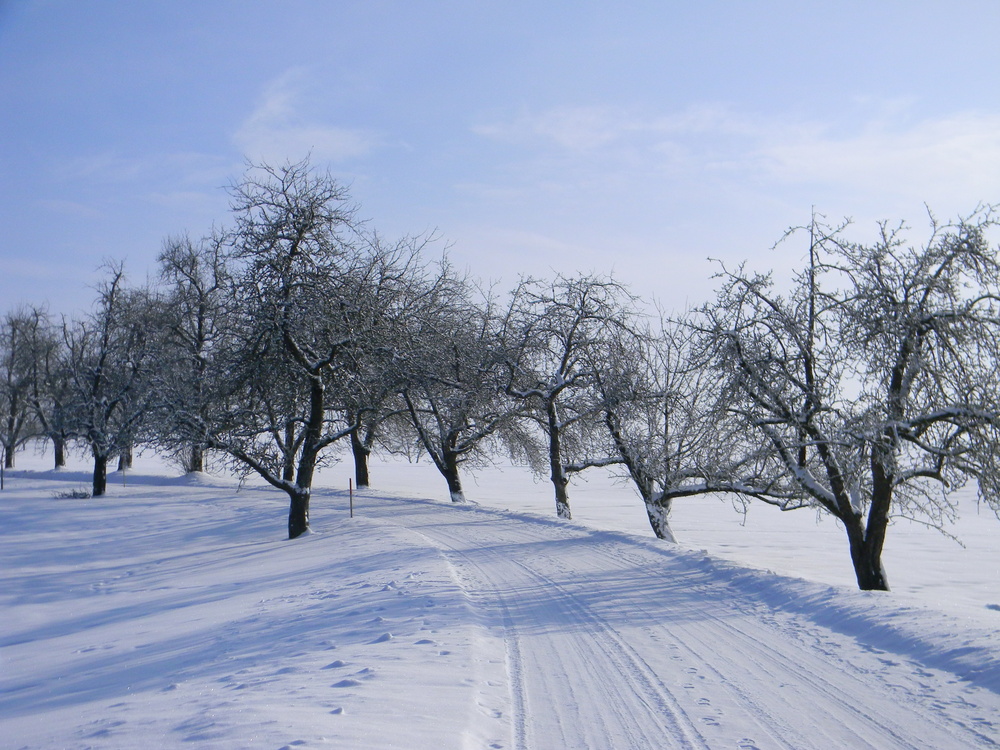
x=684 y=661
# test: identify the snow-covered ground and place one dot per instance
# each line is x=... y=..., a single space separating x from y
x=173 y=613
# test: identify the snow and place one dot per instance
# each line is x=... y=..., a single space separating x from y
x=173 y=613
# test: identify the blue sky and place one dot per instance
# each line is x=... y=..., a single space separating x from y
x=640 y=138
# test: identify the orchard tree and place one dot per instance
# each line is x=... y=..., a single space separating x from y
x=109 y=355
x=50 y=381
x=556 y=337
x=297 y=271
x=195 y=313
x=873 y=381
x=389 y=294
x=17 y=423
x=452 y=373
x=662 y=416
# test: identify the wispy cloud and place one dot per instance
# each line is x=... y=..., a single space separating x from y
x=934 y=157
x=189 y=184
x=589 y=128
x=574 y=128
x=886 y=150
x=277 y=130
x=68 y=208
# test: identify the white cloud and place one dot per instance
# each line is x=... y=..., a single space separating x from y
x=887 y=152
x=112 y=166
x=276 y=130
x=71 y=209
x=935 y=158
x=593 y=127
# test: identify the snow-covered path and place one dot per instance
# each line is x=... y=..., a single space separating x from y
x=173 y=613
x=615 y=643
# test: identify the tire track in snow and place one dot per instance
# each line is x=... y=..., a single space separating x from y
x=766 y=646
x=626 y=663
x=611 y=643
x=639 y=670
x=630 y=700
x=515 y=676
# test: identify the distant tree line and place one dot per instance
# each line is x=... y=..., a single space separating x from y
x=866 y=390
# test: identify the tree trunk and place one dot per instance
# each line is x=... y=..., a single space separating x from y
x=298 y=513
x=59 y=451
x=658 y=513
x=562 y=497
x=196 y=458
x=125 y=459
x=8 y=456
x=452 y=478
x=289 y=473
x=100 y=483
x=361 y=453
x=559 y=479
x=866 y=556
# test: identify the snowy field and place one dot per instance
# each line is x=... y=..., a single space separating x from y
x=173 y=613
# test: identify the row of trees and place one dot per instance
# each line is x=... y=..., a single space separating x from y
x=867 y=389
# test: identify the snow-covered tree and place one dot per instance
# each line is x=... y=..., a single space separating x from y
x=451 y=372
x=661 y=412
x=195 y=312
x=108 y=367
x=17 y=422
x=556 y=336
x=49 y=379
x=873 y=381
x=297 y=294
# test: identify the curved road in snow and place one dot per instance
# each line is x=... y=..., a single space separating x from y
x=596 y=641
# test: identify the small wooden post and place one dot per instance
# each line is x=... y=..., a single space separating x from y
x=350 y=492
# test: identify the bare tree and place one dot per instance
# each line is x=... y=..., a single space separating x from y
x=662 y=414
x=367 y=391
x=195 y=310
x=17 y=423
x=556 y=334
x=108 y=368
x=50 y=381
x=451 y=373
x=296 y=269
x=873 y=382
